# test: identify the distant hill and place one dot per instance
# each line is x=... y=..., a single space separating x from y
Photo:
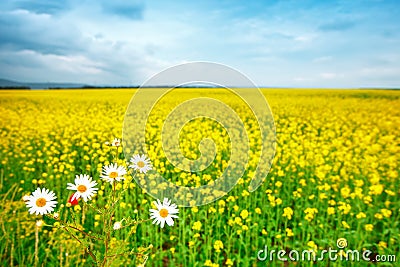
x=9 y=84
x=27 y=85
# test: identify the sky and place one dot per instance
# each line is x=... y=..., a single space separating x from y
x=292 y=43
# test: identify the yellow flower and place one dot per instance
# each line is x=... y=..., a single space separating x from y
x=264 y=232
x=359 y=183
x=331 y=210
x=289 y=232
x=369 y=227
x=323 y=196
x=367 y=199
x=197 y=226
x=345 y=192
x=382 y=244
x=271 y=199
x=288 y=213
x=361 y=215
x=244 y=214
x=212 y=210
x=386 y=213
x=379 y=216
x=230 y=199
x=312 y=245
x=229 y=262
x=345 y=208
x=390 y=193
x=345 y=225
x=310 y=212
x=209 y=263
x=218 y=245
x=195 y=209
x=245 y=193
x=257 y=210
x=238 y=220
x=376 y=189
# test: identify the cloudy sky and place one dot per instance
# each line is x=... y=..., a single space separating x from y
x=275 y=43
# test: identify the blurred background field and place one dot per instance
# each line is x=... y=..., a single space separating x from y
x=335 y=175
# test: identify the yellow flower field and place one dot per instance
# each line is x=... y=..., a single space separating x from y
x=335 y=175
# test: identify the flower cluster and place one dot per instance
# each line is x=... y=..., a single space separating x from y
x=43 y=202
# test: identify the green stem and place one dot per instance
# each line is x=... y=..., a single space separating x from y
x=87 y=249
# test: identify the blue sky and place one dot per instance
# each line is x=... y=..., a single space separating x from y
x=276 y=43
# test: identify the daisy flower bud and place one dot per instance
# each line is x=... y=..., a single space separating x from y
x=117 y=225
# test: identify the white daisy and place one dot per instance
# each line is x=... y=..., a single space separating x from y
x=84 y=187
x=164 y=213
x=42 y=201
x=117 y=225
x=113 y=172
x=140 y=163
x=116 y=142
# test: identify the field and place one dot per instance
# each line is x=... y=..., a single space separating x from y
x=335 y=175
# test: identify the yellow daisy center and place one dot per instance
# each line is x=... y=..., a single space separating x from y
x=81 y=188
x=41 y=202
x=113 y=175
x=140 y=164
x=164 y=213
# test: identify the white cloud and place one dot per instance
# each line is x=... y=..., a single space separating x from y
x=379 y=76
x=74 y=47
x=304 y=38
x=322 y=59
x=302 y=79
x=328 y=75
